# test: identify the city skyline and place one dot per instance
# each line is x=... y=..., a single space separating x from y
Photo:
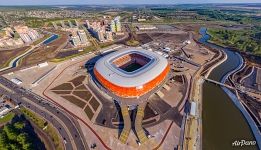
x=107 y=2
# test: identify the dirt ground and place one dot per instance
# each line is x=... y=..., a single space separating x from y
x=44 y=53
x=5 y=55
x=144 y=38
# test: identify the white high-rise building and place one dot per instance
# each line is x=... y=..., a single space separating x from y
x=76 y=40
x=25 y=38
x=100 y=35
x=109 y=36
x=87 y=24
x=32 y=35
x=116 y=25
x=70 y=24
x=76 y=23
x=113 y=26
x=2 y=44
x=63 y=25
x=27 y=34
x=83 y=37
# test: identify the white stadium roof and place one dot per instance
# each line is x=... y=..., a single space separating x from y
x=131 y=79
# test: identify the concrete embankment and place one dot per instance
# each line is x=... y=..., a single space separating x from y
x=240 y=106
x=217 y=64
x=193 y=127
x=220 y=113
x=243 y=78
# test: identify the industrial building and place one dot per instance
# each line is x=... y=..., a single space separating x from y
x=146 y=27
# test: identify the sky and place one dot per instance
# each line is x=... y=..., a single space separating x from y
x=75 y=2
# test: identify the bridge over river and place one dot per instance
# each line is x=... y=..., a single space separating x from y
x=218 y=83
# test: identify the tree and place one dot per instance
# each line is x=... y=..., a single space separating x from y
x=11 y=132
x=19 y=125
x=25 y=141
x=14 y=137
x=14 y=146
x=3 y=141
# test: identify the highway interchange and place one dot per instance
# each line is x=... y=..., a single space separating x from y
x=63 y=122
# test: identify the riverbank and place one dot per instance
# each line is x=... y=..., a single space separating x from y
x=244 y=40
x=217 y=62
x=236 y=97
x=193 y=127
x=237 y=101
x=254 y=58
x=240 y=106
x=220 y=116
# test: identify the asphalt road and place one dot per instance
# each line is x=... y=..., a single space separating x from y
x=62 y=121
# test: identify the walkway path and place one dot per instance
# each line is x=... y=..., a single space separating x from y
x=127 y=124
x=138 y=123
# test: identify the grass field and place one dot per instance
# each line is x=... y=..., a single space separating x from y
x=41 y=123
x=132 y=67
x=41 y=39
x=243 y=40
x=7 y=118
x=85 y=51
x=7 y=56
x=132 y=43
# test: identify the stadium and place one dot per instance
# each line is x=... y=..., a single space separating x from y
x=131 y=73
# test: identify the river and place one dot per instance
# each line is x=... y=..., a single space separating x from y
x=223 y=123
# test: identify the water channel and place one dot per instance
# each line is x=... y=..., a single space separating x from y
x=50 y=39
x=223 y=123
x=45 y=42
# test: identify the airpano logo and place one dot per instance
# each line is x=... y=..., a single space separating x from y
x=243 y=143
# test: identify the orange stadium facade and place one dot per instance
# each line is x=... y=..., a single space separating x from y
x=130 y=72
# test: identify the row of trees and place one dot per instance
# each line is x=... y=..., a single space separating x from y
x=228 y=16
x=248 y=41
x=18 y=135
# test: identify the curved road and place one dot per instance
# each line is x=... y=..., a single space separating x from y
x=72 y=137
x=15 y=61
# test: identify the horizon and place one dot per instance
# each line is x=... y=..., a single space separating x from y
x=121 y=2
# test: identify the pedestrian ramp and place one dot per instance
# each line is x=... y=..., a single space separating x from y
x=165 y=86
x=138 y=124
x=127 y=124
x=160 y=94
